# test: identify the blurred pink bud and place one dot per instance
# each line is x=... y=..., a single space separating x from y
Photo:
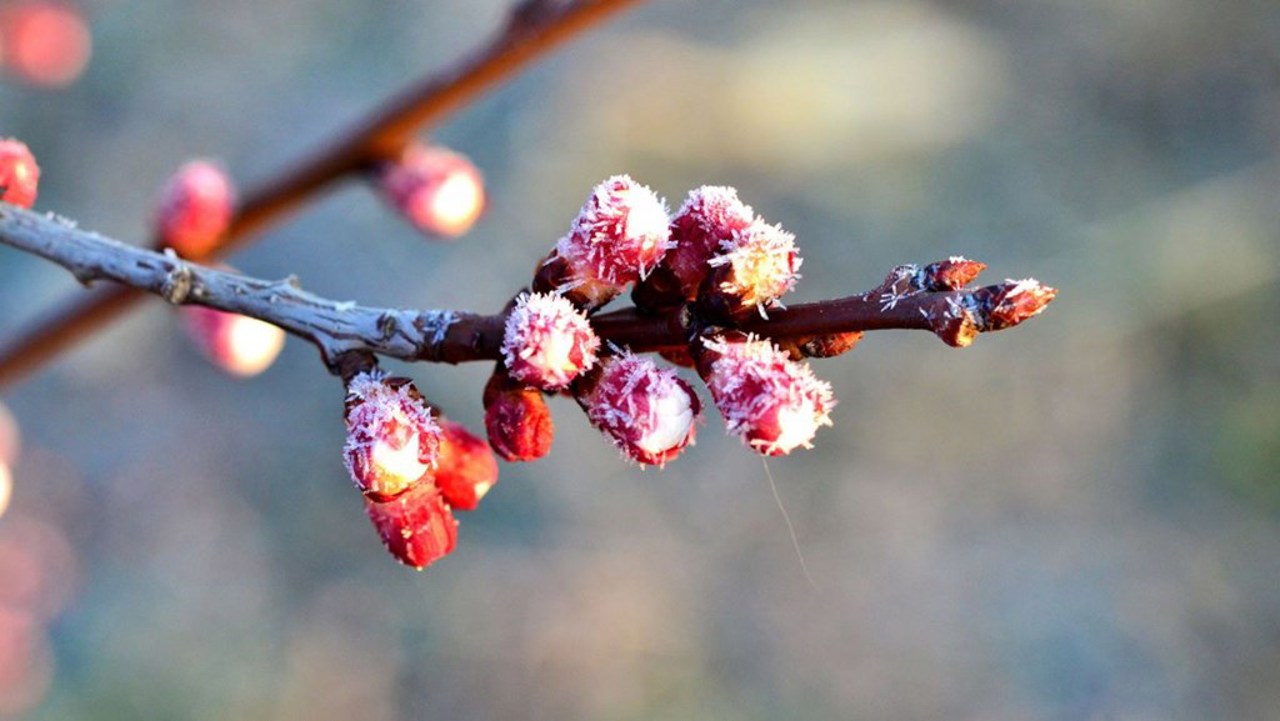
x=194 y=209
x=392 y=440
x=19 y=174
x=437 y=190
x=647 y=412
x=238 y=344
x=773 y=404
x=753 y=268
x=417 y=526
x=547 y=342
x=6 y=487
x=710 y=216
x=517 y=420
x=44 y=43
x=619 y=235
x=466 y=469
x=10 y=436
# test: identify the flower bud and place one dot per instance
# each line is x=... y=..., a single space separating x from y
x=438 y=191
x=547 y=342
x=1008 y=304
x=194 y=209
x=417 y=526
x=647 y=412
x=753 y=268
x=618 y=237
x=710 y=216
x=517 y=420
x=238 y=344
x=953 y=273
x=43 y=42
x=771 y=403
x=466 y=467
x=19 y=174
x=392 y=440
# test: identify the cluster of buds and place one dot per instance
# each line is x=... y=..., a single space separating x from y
x=413 y=469
x=437 y=190
x=19 y=174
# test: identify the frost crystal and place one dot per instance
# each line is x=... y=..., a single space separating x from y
x=770 y=402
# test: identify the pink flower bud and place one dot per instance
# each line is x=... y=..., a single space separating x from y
x=647 y=412
x=466 y=467
x=19 y=174
x=392 y=440
x=754 y=267
x=194 y=209
x=44 y=43
x=437 y=190
x=547 y=342
x=619 y=235
x=710 y=216
x=770 y=402
x=239 y=345
x=417 y=526
x=517 y=420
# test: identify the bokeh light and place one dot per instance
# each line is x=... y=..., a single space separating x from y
x=44 y=43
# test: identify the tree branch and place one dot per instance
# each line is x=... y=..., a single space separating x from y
x=342 y=328
x=533 y=28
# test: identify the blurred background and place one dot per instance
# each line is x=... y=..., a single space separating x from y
x=1078 y=519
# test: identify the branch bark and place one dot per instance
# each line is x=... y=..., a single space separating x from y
x=533 y=28
x=341 y=329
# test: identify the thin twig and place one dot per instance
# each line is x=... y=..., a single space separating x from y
x=534 y=28
x=341 y=328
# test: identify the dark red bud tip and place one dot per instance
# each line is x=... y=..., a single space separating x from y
x=953 y=273
x=517 y=421
x=19 y=174
x=417 y=526
x=466 y=468
x=1013 y=301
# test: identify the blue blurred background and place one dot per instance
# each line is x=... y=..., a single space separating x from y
x=1078 y=519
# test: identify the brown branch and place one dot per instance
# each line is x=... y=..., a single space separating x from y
x=534 y=28
x=341 y=329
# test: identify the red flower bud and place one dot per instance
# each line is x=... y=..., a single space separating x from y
x=547 y=342
x=771 y=403
x=392 y=440
x=710 y=216
x=517 y=420
x=417 y=526
x=953 y=273
x=1008 y=304
x=619 y=235
x=19 y=174
x=437 y=190
x=194 y=209
x=647 y=412
x=466 y=467
x=44 y=43
x=238 y=344
x=753 y=268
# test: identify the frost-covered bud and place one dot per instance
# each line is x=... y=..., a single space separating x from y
x=752 y=269
x=19 y=174
x=417 y=526
x=194 y=209
x=438 y=191
x=618 y=237
x=44 y=42
x=710 y=217
x=238 y=344
x=392 y=440
x=517 y=420
x=770 y=402
x=647 y=411
x=466 y=468
x=547 y=342
x=953 y=273
x=1013 y=301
